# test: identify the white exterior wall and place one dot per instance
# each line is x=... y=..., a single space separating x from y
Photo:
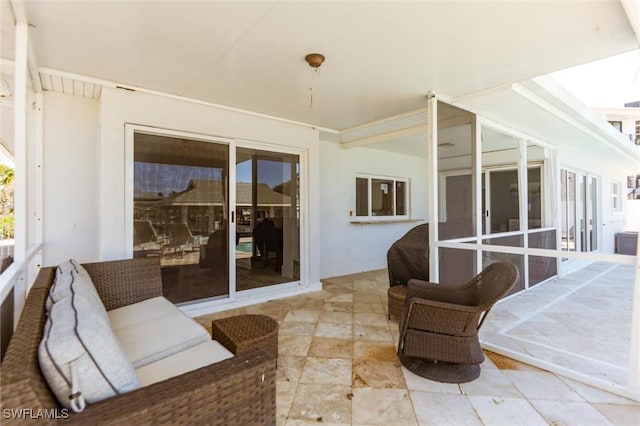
x=84 y=178
x=609 y=165
x=71 y=179
x=84 y=165
x=633 y=216
x=629 y=129
x=626 y=116
x=348 y=248
x=628 y=125
x=119 y=107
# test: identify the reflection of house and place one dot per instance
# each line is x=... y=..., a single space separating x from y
x=202 y=204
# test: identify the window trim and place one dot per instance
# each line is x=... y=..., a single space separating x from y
x=617 y=124
x=580 y=212
x=616 y=196
x=375 y=218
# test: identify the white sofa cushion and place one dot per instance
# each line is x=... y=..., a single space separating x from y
x=144 y=311
x=190 y=359
x=70 y=278
x=80 y=357
x=158 y=336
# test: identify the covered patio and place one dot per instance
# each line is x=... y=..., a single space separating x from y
x=337 y=359
x=456 y=124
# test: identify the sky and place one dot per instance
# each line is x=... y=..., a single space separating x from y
x=607 y=83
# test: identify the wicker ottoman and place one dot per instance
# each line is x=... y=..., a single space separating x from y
x=396 y=295
x=242 y=333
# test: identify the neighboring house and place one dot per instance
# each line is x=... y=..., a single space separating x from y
x=625 y=120
x=633 y=187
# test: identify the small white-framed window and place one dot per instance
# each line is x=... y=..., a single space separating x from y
x=616 y=125
x=382 y=197
x=616 y=200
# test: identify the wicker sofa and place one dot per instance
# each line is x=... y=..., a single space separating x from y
x=239 y=390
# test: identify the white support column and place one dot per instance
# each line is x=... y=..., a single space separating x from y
x=634 y=359
x=432 y=185
x=523 y=178
x=36 y=188
x=557 y=195
x=20 y=149
x=20 y=137
x=476 y=184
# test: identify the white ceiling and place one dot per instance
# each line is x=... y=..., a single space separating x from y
x=382 y=56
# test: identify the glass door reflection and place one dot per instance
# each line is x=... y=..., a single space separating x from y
x=268 y=218
x=181 y=212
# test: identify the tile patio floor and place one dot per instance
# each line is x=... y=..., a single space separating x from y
x=337 y=365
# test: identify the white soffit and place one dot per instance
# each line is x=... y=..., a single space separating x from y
x=572 y=111
x=382 y=57
x=55 y=82
x=556 y=118
x=632 y=9
x=388 y=126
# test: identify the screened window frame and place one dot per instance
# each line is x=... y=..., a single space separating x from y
x=370 y=216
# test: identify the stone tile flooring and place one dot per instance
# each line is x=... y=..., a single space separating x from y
x=338 y=366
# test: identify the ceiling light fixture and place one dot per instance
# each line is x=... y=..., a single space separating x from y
x=314 y=60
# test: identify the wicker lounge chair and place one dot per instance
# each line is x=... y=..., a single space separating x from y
x=237 y=391
x=180 y=235
x=143 y=233
x=439 y=327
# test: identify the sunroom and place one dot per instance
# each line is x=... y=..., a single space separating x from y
x=281 y=175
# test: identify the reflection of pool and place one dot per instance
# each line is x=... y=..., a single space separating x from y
x=245 y=247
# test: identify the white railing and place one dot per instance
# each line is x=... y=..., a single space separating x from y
x=20 y=276
x=632 y=390
x=6 y=248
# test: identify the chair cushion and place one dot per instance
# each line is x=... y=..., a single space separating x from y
x=79 y=355
x=157 y=337
x=70 y=278
x=140 y=312
x=441 y=293
x=190 y=359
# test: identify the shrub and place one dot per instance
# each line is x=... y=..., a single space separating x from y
x=6 y=227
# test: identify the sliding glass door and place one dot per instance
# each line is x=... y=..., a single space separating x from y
x=181 y=213
x=216 y=229
x=268 y=218
x=579 y=212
